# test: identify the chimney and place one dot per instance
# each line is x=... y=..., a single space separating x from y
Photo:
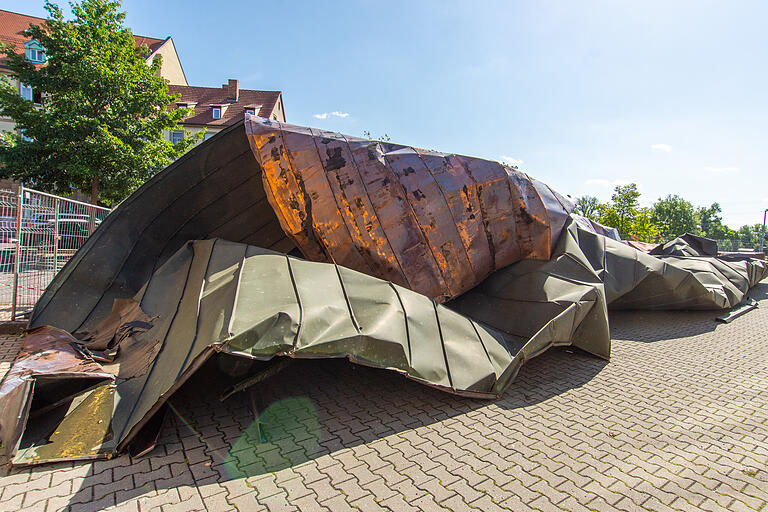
x=233 y=90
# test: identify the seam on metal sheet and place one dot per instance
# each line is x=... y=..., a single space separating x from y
x=298 y=301
x=336 y=202
x=162 y=345
x=474 y=327
x=375 y=213
x=483 y=213
x=425 y=239
x=152 y=182
x=199 y=305
x=405 y=317
x=237 y=292
x=450 y=212
x=346 y=299
x=442 y=343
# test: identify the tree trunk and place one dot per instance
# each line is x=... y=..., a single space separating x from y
x=94 y=190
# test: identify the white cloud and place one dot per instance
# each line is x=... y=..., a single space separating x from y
x=335 y=113
x=661 y=147
x=600 y=182
x=722 y=170
x=511 y=160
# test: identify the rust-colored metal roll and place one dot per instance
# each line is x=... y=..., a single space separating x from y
x=433 y=222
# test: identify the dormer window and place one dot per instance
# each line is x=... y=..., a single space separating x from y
x=217 y=112
x=34 y=52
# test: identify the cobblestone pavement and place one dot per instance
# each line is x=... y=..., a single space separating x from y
x=678 y=420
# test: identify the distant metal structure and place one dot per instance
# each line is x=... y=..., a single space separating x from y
x=39 y=232
x=762 y=232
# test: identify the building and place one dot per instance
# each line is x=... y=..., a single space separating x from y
x=214 y=108
x=13 y=25
x=218 y=107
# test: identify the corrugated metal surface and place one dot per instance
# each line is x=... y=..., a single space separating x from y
x=433 y=222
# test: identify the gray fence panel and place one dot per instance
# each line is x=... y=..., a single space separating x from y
x=36 y=240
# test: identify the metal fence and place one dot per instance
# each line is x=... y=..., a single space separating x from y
x=738 y=245
x=731 y=245
x=39 y=232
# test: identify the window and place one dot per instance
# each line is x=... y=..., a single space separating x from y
x=250 y=111
x=217 y=112
x=177 y=136
x=36 y=55
x=34 y=52
x=26 y=92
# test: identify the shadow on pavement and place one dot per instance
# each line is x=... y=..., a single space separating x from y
x=310 y=409
x=650 y=326
x=318 y=407
x=759 y=292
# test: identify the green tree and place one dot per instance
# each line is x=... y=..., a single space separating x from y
x=712 y=223
x=99 y=125
x=674 y=216
x=749 y=236
x=643 y=226
x=620 y=213
x=587 y=206
x=624 y=213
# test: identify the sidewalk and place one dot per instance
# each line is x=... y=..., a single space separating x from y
x=677 y=420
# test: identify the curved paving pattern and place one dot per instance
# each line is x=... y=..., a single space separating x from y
x=678 y=420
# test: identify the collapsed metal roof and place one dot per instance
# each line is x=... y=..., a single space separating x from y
x=195 y=263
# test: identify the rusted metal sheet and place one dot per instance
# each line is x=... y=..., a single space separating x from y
x=436 y=223
x=47 y=357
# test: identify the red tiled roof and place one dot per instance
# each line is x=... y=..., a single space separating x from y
x=13 y=25
x=206 y=97
x=152 y=42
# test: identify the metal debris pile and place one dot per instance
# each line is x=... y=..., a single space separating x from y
x=272 y=241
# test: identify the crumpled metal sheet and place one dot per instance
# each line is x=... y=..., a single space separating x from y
x=595 y=227
x=564 y=295
x=636 y=280
x=49 y=370
x=432 y=222
x=210 y=296
x=687 y=245
x=219 y=296
x=588 y=272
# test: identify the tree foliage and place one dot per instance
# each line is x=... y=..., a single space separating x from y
x=103 y=110
x=712 y=223
x=588 y=206
x=674 y=216
x=667 y=219
x=624 y=213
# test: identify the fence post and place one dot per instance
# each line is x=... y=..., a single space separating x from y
x=17 y=252
x=56 y=206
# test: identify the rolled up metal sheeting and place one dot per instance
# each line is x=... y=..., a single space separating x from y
x=435 y=223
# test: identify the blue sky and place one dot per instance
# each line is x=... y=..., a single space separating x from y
x=670 y=95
